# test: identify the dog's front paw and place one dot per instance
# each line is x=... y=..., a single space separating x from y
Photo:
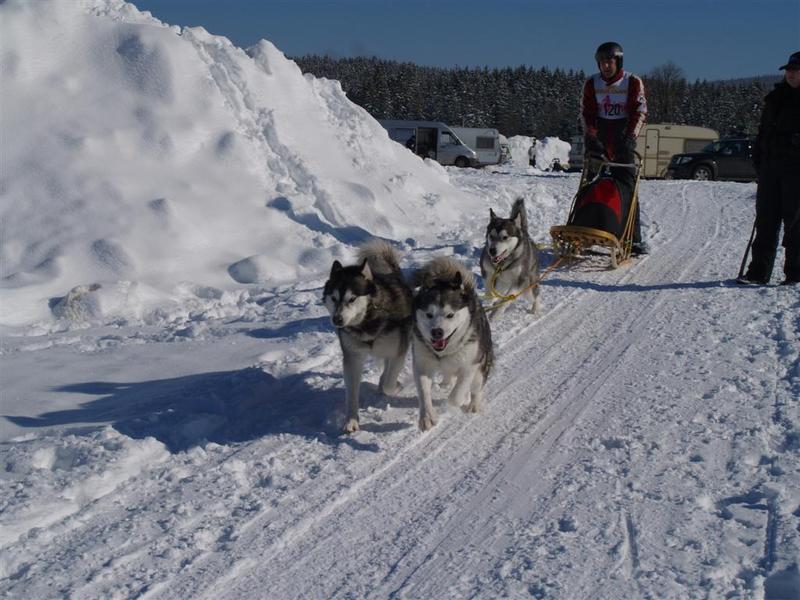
x=351 y=426
x=472 y=407
x=427 y=422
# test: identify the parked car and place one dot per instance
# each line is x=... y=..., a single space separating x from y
x=723 y=159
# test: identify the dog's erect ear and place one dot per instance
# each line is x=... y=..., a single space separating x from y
x=366 y=272
x=458 y=281
x=518 y=213
x=336 y=266
x=492 y=216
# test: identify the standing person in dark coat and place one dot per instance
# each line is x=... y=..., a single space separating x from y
x=776 y=155
x=613 y=111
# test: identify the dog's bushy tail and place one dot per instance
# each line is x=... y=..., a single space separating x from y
x=518 y=208
x=443 y=270
x=381 y=256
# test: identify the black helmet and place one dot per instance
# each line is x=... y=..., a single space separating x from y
x=609 y=50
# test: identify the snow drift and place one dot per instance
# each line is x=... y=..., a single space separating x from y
x=144 y=162
x=545 y=151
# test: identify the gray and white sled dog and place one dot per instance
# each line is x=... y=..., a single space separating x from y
x=510 y=259
x=370 y=306
x=451 y=336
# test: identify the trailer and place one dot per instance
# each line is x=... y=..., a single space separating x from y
x=657 y=143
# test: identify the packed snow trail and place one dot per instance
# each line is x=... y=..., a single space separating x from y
x=474 y=507
x=634 y=442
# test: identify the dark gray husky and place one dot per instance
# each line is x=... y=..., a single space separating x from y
x=451 y=337
x=510 y=259
x=370 y=306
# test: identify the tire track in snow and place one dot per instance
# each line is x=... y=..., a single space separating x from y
x=537 y=450
x=556 y=425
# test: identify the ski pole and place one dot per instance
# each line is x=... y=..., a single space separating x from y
x=747 y=250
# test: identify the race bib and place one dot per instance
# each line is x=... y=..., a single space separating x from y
x=612 y=99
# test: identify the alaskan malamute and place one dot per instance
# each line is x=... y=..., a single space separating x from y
x=370 y=306
x=451 y=336
x=510 y=259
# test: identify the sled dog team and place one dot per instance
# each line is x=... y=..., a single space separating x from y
x=377 y=313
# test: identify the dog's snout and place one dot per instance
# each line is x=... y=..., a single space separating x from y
x=437 y=333
x=337 y=320
x=492 y=250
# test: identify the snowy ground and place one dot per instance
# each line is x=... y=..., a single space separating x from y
x=172 y=396
x=640 y=439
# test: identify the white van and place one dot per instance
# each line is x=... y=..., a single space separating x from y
x=431 y=139
x=657 y=142
x=484 y=140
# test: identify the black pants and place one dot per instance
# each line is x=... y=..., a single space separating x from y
x=777 y=201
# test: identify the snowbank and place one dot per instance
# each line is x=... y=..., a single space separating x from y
x=519 y=146
x=143 y=162
x=549 y=150
x=545 y=151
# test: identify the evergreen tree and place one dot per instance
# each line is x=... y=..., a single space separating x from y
x=526 y=101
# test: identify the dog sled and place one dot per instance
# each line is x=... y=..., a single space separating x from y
x=603 y=212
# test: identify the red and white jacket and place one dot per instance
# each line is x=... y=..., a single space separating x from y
x=613 y=110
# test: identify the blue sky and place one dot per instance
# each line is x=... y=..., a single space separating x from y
x=708 y=39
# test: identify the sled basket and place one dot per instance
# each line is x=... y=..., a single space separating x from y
x=611 y=217
x=572 y=241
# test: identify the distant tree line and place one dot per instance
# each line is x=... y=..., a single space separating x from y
x=527 y=101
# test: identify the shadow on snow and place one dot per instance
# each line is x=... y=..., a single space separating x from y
x=222 y=407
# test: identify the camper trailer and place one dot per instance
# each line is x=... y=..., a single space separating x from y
x=431 y=139
x=485 y=141
x=656 y=144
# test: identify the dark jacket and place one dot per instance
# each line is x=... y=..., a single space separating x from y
x=778 y=141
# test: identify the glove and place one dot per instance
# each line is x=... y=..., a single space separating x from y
x=593 y=146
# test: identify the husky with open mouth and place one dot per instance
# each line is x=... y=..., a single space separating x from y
x=451 y=336
x=510 y=259
x=370 y=307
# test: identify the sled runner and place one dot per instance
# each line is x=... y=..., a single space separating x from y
x=602 y=212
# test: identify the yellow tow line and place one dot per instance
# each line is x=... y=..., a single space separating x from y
x=493 y=294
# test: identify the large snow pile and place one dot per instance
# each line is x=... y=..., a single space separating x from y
x=549 y=150
x=520 y=146
x=545 y=151
x=146 y=165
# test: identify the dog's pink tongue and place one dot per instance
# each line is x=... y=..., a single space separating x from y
x=440 y=344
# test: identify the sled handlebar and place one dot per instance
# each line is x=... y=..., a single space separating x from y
x=606 y=162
